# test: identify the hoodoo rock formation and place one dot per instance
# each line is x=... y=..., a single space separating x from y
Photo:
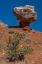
x=25 y=14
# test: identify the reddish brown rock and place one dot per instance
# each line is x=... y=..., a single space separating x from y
x=25 y=14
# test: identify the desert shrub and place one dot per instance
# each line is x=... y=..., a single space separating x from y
x=18 y=36
x=13 y=50
x=12 y=46
x=11 y=31
x=28 y=41
x=27 y=49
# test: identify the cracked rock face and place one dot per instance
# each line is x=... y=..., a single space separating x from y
x=25 y=14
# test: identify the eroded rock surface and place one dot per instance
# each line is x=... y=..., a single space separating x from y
x=25 y=14
x=2 y=24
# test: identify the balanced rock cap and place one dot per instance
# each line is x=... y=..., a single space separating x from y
x=26 y=12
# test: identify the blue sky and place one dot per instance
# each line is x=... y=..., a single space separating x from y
x=7 y=16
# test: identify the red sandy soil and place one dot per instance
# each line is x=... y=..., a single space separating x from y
x=35 y=36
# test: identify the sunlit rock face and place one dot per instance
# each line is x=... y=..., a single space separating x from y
x=2 y=24
x=25 y=14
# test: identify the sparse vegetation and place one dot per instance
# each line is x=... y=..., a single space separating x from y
x=18 y=36
x=12 y=47
x=13 y=50
x=27 y=49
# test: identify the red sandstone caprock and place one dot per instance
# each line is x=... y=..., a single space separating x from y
x=25 y=14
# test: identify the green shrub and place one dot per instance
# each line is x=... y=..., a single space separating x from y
x=27 y=49
x=18 y=36
x=13 y=50
x=12 y=45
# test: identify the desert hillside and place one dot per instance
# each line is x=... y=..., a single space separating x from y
x=32 y=37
